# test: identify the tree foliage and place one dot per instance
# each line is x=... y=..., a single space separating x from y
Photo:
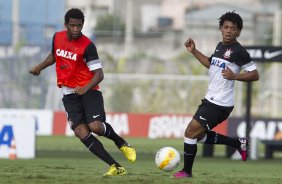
x=109 y=23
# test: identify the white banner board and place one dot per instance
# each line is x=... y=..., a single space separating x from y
x=17 y=136
x=43 y=118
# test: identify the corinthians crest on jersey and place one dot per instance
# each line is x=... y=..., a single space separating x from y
x=227 y=53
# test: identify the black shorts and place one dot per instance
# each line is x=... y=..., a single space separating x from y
x=210 y=114
x=84 y=109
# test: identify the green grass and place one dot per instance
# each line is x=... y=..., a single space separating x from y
x=64 y=160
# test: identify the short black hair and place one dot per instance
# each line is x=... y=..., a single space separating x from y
x=233 y=17
x=74 y=13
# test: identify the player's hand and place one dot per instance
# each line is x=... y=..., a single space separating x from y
x=35 y=71
x=190 y=45
x=227 y=73
x=81 y=90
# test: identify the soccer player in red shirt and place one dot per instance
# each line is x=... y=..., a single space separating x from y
x=79 y=72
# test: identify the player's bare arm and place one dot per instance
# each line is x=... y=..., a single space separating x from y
x=227 y=73
x=191 y=47
x=98 y=77
x=50 y=60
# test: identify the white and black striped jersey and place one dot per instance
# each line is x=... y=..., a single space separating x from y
x=234 y=56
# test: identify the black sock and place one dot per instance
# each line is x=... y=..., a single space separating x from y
x=190 y=151
x=215 y=138
x=96 y=147
x=111 y=134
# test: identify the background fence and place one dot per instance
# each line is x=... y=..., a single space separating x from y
x=128 y=92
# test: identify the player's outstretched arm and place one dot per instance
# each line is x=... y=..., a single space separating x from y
x=50 y=59
x=191 y=47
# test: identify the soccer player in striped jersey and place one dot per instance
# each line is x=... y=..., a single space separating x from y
x=224 y=68
x=79 y=72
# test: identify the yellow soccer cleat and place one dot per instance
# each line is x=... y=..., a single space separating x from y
x=115 y=171
x=128 y=152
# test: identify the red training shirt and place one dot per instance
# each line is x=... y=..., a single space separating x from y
x=75 y=59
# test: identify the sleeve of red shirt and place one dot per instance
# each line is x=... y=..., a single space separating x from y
x=90 y=53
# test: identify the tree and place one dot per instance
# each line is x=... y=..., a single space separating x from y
x=109 y=23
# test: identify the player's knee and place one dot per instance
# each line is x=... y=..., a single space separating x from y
x=81 y=131
x=191 y=133
x=97 y=127
x=194 y=130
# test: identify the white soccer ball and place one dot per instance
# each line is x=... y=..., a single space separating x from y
x=167 y=158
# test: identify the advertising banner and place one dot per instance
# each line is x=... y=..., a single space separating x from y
x=17 y=137
x=262 y=129
x=265 y=53
x=43 y=118
x=139 y=125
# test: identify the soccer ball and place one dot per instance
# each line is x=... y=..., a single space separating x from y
x=167 y=158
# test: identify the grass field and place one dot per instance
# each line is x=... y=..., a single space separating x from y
x=64 y=160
